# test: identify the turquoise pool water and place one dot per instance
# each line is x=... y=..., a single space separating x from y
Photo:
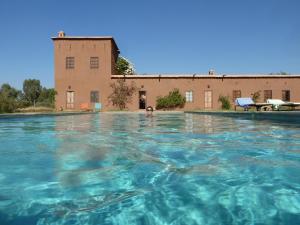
x=129 y=169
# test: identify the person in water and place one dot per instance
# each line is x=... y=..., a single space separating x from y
x=149 y=111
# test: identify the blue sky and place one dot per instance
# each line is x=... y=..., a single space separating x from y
x=159 y=36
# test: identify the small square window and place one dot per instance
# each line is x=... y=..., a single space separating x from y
x=189 y=96
x=94 y=96
x=70 y=62
x=236 y=94
x=94 y=62
x=267 y=95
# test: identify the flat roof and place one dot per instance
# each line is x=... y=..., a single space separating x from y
x=206 y=76
x=87 y=38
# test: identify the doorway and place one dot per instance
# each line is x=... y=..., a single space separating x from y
x=70 y=99
x=207 y=99
x=142 y=99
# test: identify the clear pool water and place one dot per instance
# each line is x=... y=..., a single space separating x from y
x=129 y=169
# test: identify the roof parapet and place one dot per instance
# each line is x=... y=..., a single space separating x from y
x=62 y=36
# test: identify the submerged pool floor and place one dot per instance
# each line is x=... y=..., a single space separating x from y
x=129 y=169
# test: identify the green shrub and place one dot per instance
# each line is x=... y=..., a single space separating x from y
x=225 y=102
x=161 y=102
x=173 y=100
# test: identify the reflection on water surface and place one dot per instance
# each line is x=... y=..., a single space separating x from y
x=130 y=169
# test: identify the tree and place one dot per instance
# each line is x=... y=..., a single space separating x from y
x=9 y=91
x=124 y=66
x=32 y=89
x=9 y=98
x=172 y=100
x=47 y=97
x=122 y=93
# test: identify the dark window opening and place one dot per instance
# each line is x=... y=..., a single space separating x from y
x=142 y=99
x=286 y=95
x=267 y=95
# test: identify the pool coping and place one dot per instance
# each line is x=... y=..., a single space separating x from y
x=39 y=114
x=143 y=112
x=286 y=116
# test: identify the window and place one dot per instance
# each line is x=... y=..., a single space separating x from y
x=70 y=62
x=267 y=95
x=94 y=62
x=236 y=94
x=189 y=96
x=94 y=96
x=286 y=95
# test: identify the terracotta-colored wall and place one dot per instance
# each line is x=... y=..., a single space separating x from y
x=114 y=57
x=217 y=85
x=82 y=80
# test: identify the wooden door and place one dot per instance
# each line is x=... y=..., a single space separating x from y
x=208 y=99
x=70 y=99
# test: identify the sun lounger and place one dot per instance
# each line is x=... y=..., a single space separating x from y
x=247 y=103
x=294 y=104
x=276 y=103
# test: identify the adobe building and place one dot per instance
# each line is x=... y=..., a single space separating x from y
x=85 y=69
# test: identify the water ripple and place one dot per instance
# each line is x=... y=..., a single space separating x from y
x=129 y=169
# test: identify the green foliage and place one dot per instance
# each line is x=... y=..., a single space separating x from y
x=225 y=101
x=122 y=93
x=7 y=105
x=12 y=99
x=9 y=98
x=32 y=89
x=9 y=91
x=173 y=100
x=124 y=66
x=47 y=97
x=256 y=96
x=162 y=103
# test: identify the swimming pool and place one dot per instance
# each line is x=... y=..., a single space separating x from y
x=179 y=168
